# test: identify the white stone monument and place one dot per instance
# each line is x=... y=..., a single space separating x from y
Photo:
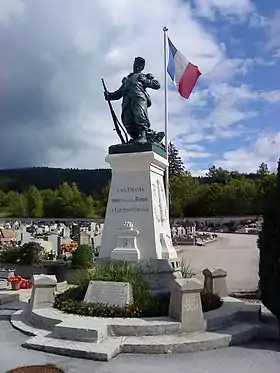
x=137 y=195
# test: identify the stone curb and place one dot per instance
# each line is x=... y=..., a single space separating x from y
x=82 y=328
x=231 y=310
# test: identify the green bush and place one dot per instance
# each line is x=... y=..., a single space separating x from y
x=30 y=253
x=269 y=246
x=10 y=254
x=82 y=257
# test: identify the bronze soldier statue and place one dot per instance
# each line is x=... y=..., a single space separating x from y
x=135 y=104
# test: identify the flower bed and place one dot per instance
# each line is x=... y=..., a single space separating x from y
x=71 y=301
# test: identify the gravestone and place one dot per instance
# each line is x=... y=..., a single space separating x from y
x=111 y=293
x=84 y=238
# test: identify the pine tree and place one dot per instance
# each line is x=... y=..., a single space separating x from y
x=262 y=170
x=176 y=165
x=269 y=246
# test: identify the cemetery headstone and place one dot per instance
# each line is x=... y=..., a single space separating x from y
x=111 y=293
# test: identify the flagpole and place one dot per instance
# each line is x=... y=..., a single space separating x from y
x=165 y=29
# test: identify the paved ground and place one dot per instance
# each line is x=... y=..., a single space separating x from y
x=236 y=253
x=257 y=358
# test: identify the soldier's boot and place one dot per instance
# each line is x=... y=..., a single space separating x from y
x=142 y=138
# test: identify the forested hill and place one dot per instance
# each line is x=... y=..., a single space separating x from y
x=88 y=181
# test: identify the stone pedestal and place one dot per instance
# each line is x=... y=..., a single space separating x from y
x=215 y=281
x=43 y=292
x=185 y=304
x=127 y=244
x=137 y=195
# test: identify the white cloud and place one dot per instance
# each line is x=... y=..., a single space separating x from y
x=274 y=31
x=199 y=173
x=237 y=8
x=264 y=149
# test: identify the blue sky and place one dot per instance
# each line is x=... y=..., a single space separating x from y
x=250 y=35
x=52 y=107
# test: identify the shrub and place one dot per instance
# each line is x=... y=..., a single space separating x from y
x=30 y=253
x=82 y=257
x=269 y=246
x=10 y=254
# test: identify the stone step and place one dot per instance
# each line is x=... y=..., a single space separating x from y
x=83 y=330
x=6 y=314
x=8 y=298
x=19 y=322
x=93 y=351
x=105 y=350
x=232 y=335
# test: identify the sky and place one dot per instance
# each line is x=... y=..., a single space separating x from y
x=54 y=53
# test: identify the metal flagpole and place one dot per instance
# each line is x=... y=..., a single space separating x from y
x=165 y=29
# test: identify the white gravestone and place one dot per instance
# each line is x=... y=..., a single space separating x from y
x=111 y=293
x=137 y=195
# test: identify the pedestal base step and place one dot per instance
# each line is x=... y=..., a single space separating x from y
x=110 y=347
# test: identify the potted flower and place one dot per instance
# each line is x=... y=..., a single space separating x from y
x=15 y=282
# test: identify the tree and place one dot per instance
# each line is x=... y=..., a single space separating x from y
x=49 y=197
x=183 y=189
x=16 y=204
x=262 y=170
x=34 y=203
x=218 y=175
x=269 y=246
x=102 y=202
x=176 y=165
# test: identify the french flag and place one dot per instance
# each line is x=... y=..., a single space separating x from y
x=182 y=72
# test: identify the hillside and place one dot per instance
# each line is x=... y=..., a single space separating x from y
x=88 y=181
